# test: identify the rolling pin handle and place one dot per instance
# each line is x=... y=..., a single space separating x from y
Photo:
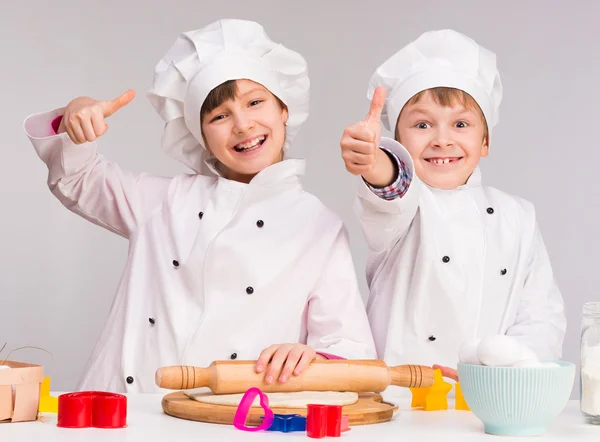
x=179 y=377
x=411 y=376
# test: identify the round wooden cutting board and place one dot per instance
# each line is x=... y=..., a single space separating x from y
x=369 y=409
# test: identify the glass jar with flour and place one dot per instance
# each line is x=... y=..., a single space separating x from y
x=590 y=362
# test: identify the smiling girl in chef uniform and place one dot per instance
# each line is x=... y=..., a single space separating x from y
x=225 y=262
x=451 y=260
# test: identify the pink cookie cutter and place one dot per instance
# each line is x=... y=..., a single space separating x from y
x=239 y=420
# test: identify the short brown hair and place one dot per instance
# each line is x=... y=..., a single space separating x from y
x=447 y=97
x=222 y=93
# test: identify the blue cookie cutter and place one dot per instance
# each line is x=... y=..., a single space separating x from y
x=287 y=423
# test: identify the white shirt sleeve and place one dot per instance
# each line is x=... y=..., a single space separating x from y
x=89 y=185
x=336 y=317
x=384 y=221
x=540 y=323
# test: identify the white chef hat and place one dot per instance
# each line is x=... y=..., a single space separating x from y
x=442 y=58
x=203 y=59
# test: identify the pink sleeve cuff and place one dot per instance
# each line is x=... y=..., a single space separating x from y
x=56 y=124
x=329 y=356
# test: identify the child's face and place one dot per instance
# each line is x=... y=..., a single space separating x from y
x=445 y=143
x=246 y=134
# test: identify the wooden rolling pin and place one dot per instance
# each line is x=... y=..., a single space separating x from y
x=225 y=377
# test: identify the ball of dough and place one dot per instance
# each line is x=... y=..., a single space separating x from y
x=499 y=351
x=550 y=364
x=467 y=354
x=529 y=363
x=527 y=353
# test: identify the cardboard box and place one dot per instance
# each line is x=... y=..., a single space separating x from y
x=20 y=391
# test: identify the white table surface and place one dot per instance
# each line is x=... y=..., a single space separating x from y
x=148 y=423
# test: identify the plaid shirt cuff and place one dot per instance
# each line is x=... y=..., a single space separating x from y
x=400 y=186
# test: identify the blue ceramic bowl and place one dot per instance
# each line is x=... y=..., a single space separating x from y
x=517 y=401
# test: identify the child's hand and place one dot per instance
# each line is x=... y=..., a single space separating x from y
x=84 y=117
x=360 y=146
x=293 y=358
x=447 y=372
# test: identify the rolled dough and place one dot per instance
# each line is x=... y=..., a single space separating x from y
x=299 y=399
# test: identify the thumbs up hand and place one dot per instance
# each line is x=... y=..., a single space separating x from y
x=360 y=146
x=84 y=117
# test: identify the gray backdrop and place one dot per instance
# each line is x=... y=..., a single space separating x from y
x=59 y=272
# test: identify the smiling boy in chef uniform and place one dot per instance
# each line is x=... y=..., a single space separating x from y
x=226 y=263
x=449 y=258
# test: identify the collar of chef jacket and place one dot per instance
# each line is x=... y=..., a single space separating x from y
x=276 y=177
x=473 y=181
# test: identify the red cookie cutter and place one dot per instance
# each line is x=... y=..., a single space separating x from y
x=96 y=409
x=324 y=420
